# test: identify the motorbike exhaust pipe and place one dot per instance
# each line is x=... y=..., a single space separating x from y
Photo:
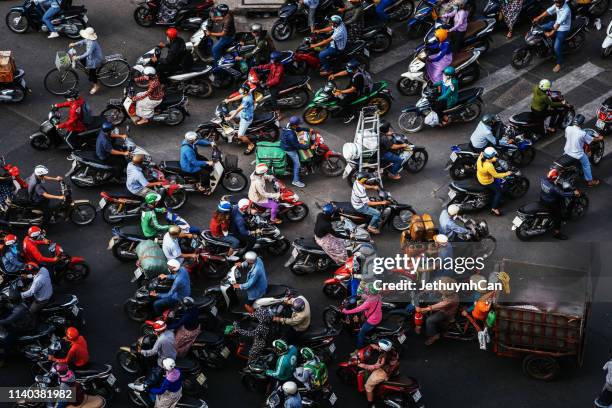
x=87 y=181
x=5 y=97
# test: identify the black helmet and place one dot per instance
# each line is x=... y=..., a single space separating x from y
x=578 y=120
x=14 y=296
x=489 y=119
x=352 y=65
x=107 y=126
x=361 y=175
x=147 y=341
x=72 y=93
x=384 y=126
x=223 y=9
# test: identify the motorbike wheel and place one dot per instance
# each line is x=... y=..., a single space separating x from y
x=347 y=376
x=135 y=311
x=577 y=41
x=135 y=399
x=114 y=73
x=404 y=11
x=521 y=233
x=382 y=103
x=129 y=362
x=417 y=161
x=82 y=214
x=541 y=367
x=334 y=291
x=315 y=115
x=333 y=166
x=417 y=30
x=77 y=272
x=401 y=222
x=175 y=117
x=486 y=247
x=332 y=319
x=78 y=25
x=144 y=17
x=204 y=86
x=458 y=171
x=597 y=152
x=19 y=93
x=568 y=118
x=297 y=213
x=520 y=188
x=521 y=58
x=411 y=122
x=579 y=207
x=113 y=114
x=112 y=209
x=210 y=134
x=122 y=252
x=17 y=22
x=523 y=158
x=234 y=181
x=76 y=178
x=280 y=248
x=472 y=112
x=40 y=141
x=298 y=100
x=282 y=30
x=381 y=43
x=60 y=82
x=177 y=200
x=606 y=52
x=408 y=87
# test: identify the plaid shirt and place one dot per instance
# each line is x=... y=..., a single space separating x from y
x=155 y=90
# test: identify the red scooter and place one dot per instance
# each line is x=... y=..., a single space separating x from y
x=396 y=392
x=289 y=204
x=69 y=268
x=345 y=281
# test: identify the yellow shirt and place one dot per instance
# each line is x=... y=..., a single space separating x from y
x=485 y=171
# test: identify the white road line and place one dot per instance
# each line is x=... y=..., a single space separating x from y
x=395 y=56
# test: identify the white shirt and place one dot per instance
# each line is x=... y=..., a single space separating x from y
x=575 y=138
x=171 y=248
x=359 y=197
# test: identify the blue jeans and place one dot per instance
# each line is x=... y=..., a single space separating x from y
x=295 y=158
x=586 y=167
x=391 y=157
x=363 y=332
x=325 y=56
x=164 y=303
x=497 y=193
x=220 y=46
x=380 y=10
x=244 y=125
x=560 y=37
x=375 y=214
x=49 y=14
x=230 y=239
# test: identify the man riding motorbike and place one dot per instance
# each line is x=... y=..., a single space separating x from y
x=247 y=112
x=439 y=54
x=286 y=362
x=299 y=322
x=389 y=148
x=181 y=287
x=552 y=196
x=386 y=365
x=291 y=145
x=560 y=28
x=148 y=217
x=293 y=399
x=356 y=22
x=327 y=237
x=172 y=248
x=487 y=133
x=313 y=373
x=336 y=43
x=227 y=33
x=41 y=288
x=220 y=224
x=177 y=58
x=276 y=73
x=136 y=182
x=105 y=151
x=575 y=139
x=18 y=321
x=361 y=83
x=147 y=101
x=448 y=224
x=441 y=313
x=542 y=106
x=361 y=202
x=238 y=226
x=264 y=46
x=31 y=252
x=78 y=353
x=258 y=193
x=449 y=94
x=191 y=162
x=74 y=124
x=256 y=283
x=11 y=257
x=38 y=194
x=163 y=348
x=487 y=175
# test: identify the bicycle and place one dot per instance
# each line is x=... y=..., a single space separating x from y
x=113 y=72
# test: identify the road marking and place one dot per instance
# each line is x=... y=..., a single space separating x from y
x=395 y=56
x=498 y=77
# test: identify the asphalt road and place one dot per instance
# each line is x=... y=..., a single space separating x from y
x=451 y=373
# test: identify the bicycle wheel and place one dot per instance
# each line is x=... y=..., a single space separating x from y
x=60 y=82
x=114 y=73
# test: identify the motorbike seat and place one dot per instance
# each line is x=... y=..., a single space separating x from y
x=401 y=382
x=208 y=237
x=209 y=338
x=578 y=24
x=466 y=147
x=461 y=57
x=310 y=243
x=276 y=291
x=293 y=80
x=262 y=117
x=474 y=27
x=58 y=301
x=388 y=325
x=186 y=364
x=285 y=55
x=40 y=331
x=351 y=47
x=204 y=301
x=345 y=207
x=468 y=94
x=90 y=156
x=175 y=167
x=316 y=334
x=468 y=185
x=169 y=100
x=522 y=119
x=92 y=370
x=534 y=208
x=132 y=232
x=566 y=161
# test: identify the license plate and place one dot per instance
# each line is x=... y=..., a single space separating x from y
x=102 y=202
x=201 y=379
x=111 y=380
x=225 y=352
x=417 y=396
x=332 y=348
x=366 y=52
x=452 y=194
x=453 y=156
x=75 y=310
x=137 y=274
x=214 y=310
x=389 y=31
x=23 y=83
x=401 y=338
x=600 y=124
x=333 y=398
x=517 y=221
x=85 y=18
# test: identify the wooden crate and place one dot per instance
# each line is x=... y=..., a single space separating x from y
x=7 y=66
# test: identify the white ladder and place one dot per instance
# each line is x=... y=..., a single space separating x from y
x=368 y=139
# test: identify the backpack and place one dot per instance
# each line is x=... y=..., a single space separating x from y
x=319 y=373
x=86 y=113
x=368 y=82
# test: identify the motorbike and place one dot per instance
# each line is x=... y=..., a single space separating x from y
x=143 y=398
x=325 y=104
x=289 y=204
x=140 y=306
x=538 y=44
x=305 y=58
x=200 y=43
x=16 y=90
x=293 y=19
x=604 y=117
x=466 y=66
x=570 y=169
x=49 y=135
x=479 y=233
x=395 y=392
x=468 y=108
x=208 y=315
x=424 y=17
x=67 y=268
x=606 y=46
x=68 y=22
x=265 y=126
x=319 y=398
x=399 y=10
x=477 y=34
x=172 y=13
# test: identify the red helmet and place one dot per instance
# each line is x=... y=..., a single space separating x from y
x=72 y=333
x=10 y=239
x=31 y=267
x=171 y=33
x=553 y=175
x=34 y=232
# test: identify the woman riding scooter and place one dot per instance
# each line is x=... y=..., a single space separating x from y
x=449 y=94
x=259 y=195
x=327 y=238
x=440 y=55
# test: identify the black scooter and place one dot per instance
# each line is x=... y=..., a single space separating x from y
x=49 y=135
x=291 y=18
x=70 y=20
x=16 y=90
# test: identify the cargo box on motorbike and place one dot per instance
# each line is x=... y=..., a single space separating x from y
x=273 y=155
x=7 y=66
x=151 y=259
x=422 y=228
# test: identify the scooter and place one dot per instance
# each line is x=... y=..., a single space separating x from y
x=604 y=117
x=171 y=13
x=477 y=34
x=49 y=135
x=310 y=398
x=538 y=44
x=143 y=398
x=570 y=169
x=424 y=17
x=47 y=381
x=606 y=46
x=289 y=204
x=69 y=21
x=16 y=90
x=68 y=268
x=306 y=58
x=291 y=19
x=468 y=108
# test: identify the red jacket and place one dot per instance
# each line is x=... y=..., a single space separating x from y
x=275 y=76
x=75 y=118
x=78 y=355
x=217 y=228
x=31 y=253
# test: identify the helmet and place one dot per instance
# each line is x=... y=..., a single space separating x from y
x=223 y=9
x=188 y=301
x=384 y=126
x=72 y=333
x=261 y=168
x=174 y=230
x=224 y=206
x=280 y=346
x=244 y=89
x=490 y=152
x=256 y=28
x=173 y=264
x=107 y=126
x=440 y=239
x=298 y=304
x=41 y=170
x=275 y=55
x=250 y=256
x=64 y=372
x=159 y=326
x=31 y=267
x=385 y=345
x=151 y=198
x=449 y=71
x=578 y=120
x=72 y=94
x=171 y=33
x=335 y=19
x=168 y=364
x=328 y=209
x=34 y=232
x=489 y=119
x=10 y=239
x=441 y=34
x=149 y=71
x=361 y=175
x=453 y=210
x=290 y=388
x=294 y=121
x=243 y=204
x=371 y=289
x=137 y=158
x=191 y=136
x=544 y=85
x=352 y=65
x=553 y=175
x=307 y=353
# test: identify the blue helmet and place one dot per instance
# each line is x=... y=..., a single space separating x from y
x=489 y=152
x=275 y=56
x=107 y=126
x=328 y=209
x=224 y=206
x=295 y=121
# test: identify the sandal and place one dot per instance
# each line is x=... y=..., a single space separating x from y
x=497 y=213
x=249 y=150
x=509 y=35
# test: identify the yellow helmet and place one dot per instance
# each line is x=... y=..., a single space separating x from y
x=441 y=34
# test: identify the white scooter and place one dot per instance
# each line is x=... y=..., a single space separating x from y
x=606 y=46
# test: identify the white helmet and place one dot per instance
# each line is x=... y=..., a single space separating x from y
x=250 y=256
x=385 y=345
x=453 y=210
x=290 y=388
x=490 y=152
x=149 y=71
x=243 y=203
x=544 y=85
x=168 y=364
x=191 y=136
x=173 y=264
x=41 y=170
x=261 y=168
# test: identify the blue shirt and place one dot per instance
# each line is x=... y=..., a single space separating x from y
x=482 y=135
x=247 y=108
x=181 y=287
x=294 y=401
x=189 y=156
x=93 y=53
x=257 y=282
x=41 y=288
x=289 y=140
x=564 y=16
x=103 y=146
x=339 y=37
x=135 y=179
x=11 y=260
x=238 y=226
x=449 y=227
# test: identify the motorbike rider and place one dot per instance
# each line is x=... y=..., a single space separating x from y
x=105 y=151
x=293 y=398
x=177 y=57
x=148 y=100
x=194 y=164
x=449 y=225
x=542 y=106
x=74 y=124
x=49 y=9
x=552 y=197
x=299 y=322
x=92 y=57
x=336 y=43
x=256 y=283
x=575 y=140
x=31 y=242
x=372 y=311
x=449 y=94
x=327 y=237
x=441 y=313
x=560 y=28
x=258 y=193
x=227 y=33
x=439 y=54
x=276 y=73
x=41 y=288
x=264 y=46
x=136 y=182
x=286 y=362
x=313 y=373
x=238 y=226
x=487 y=133
x=459 y=14
x=259 y=334
x=386 y=365
x=389 y=149
x=172 y=248
x=487 y=175
x=362 y=203
x=169 y=393
x=604 y=399
x=181 y=287
x=163 y=348
x=361 y=84
x=78 y=353
x=247 y=111
x=220 y=224
x=148 y=217
x=11 y=257
x=356 y=22
x=16 y=322
x=291 y=145
x=38 y=194
x=187 y=328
